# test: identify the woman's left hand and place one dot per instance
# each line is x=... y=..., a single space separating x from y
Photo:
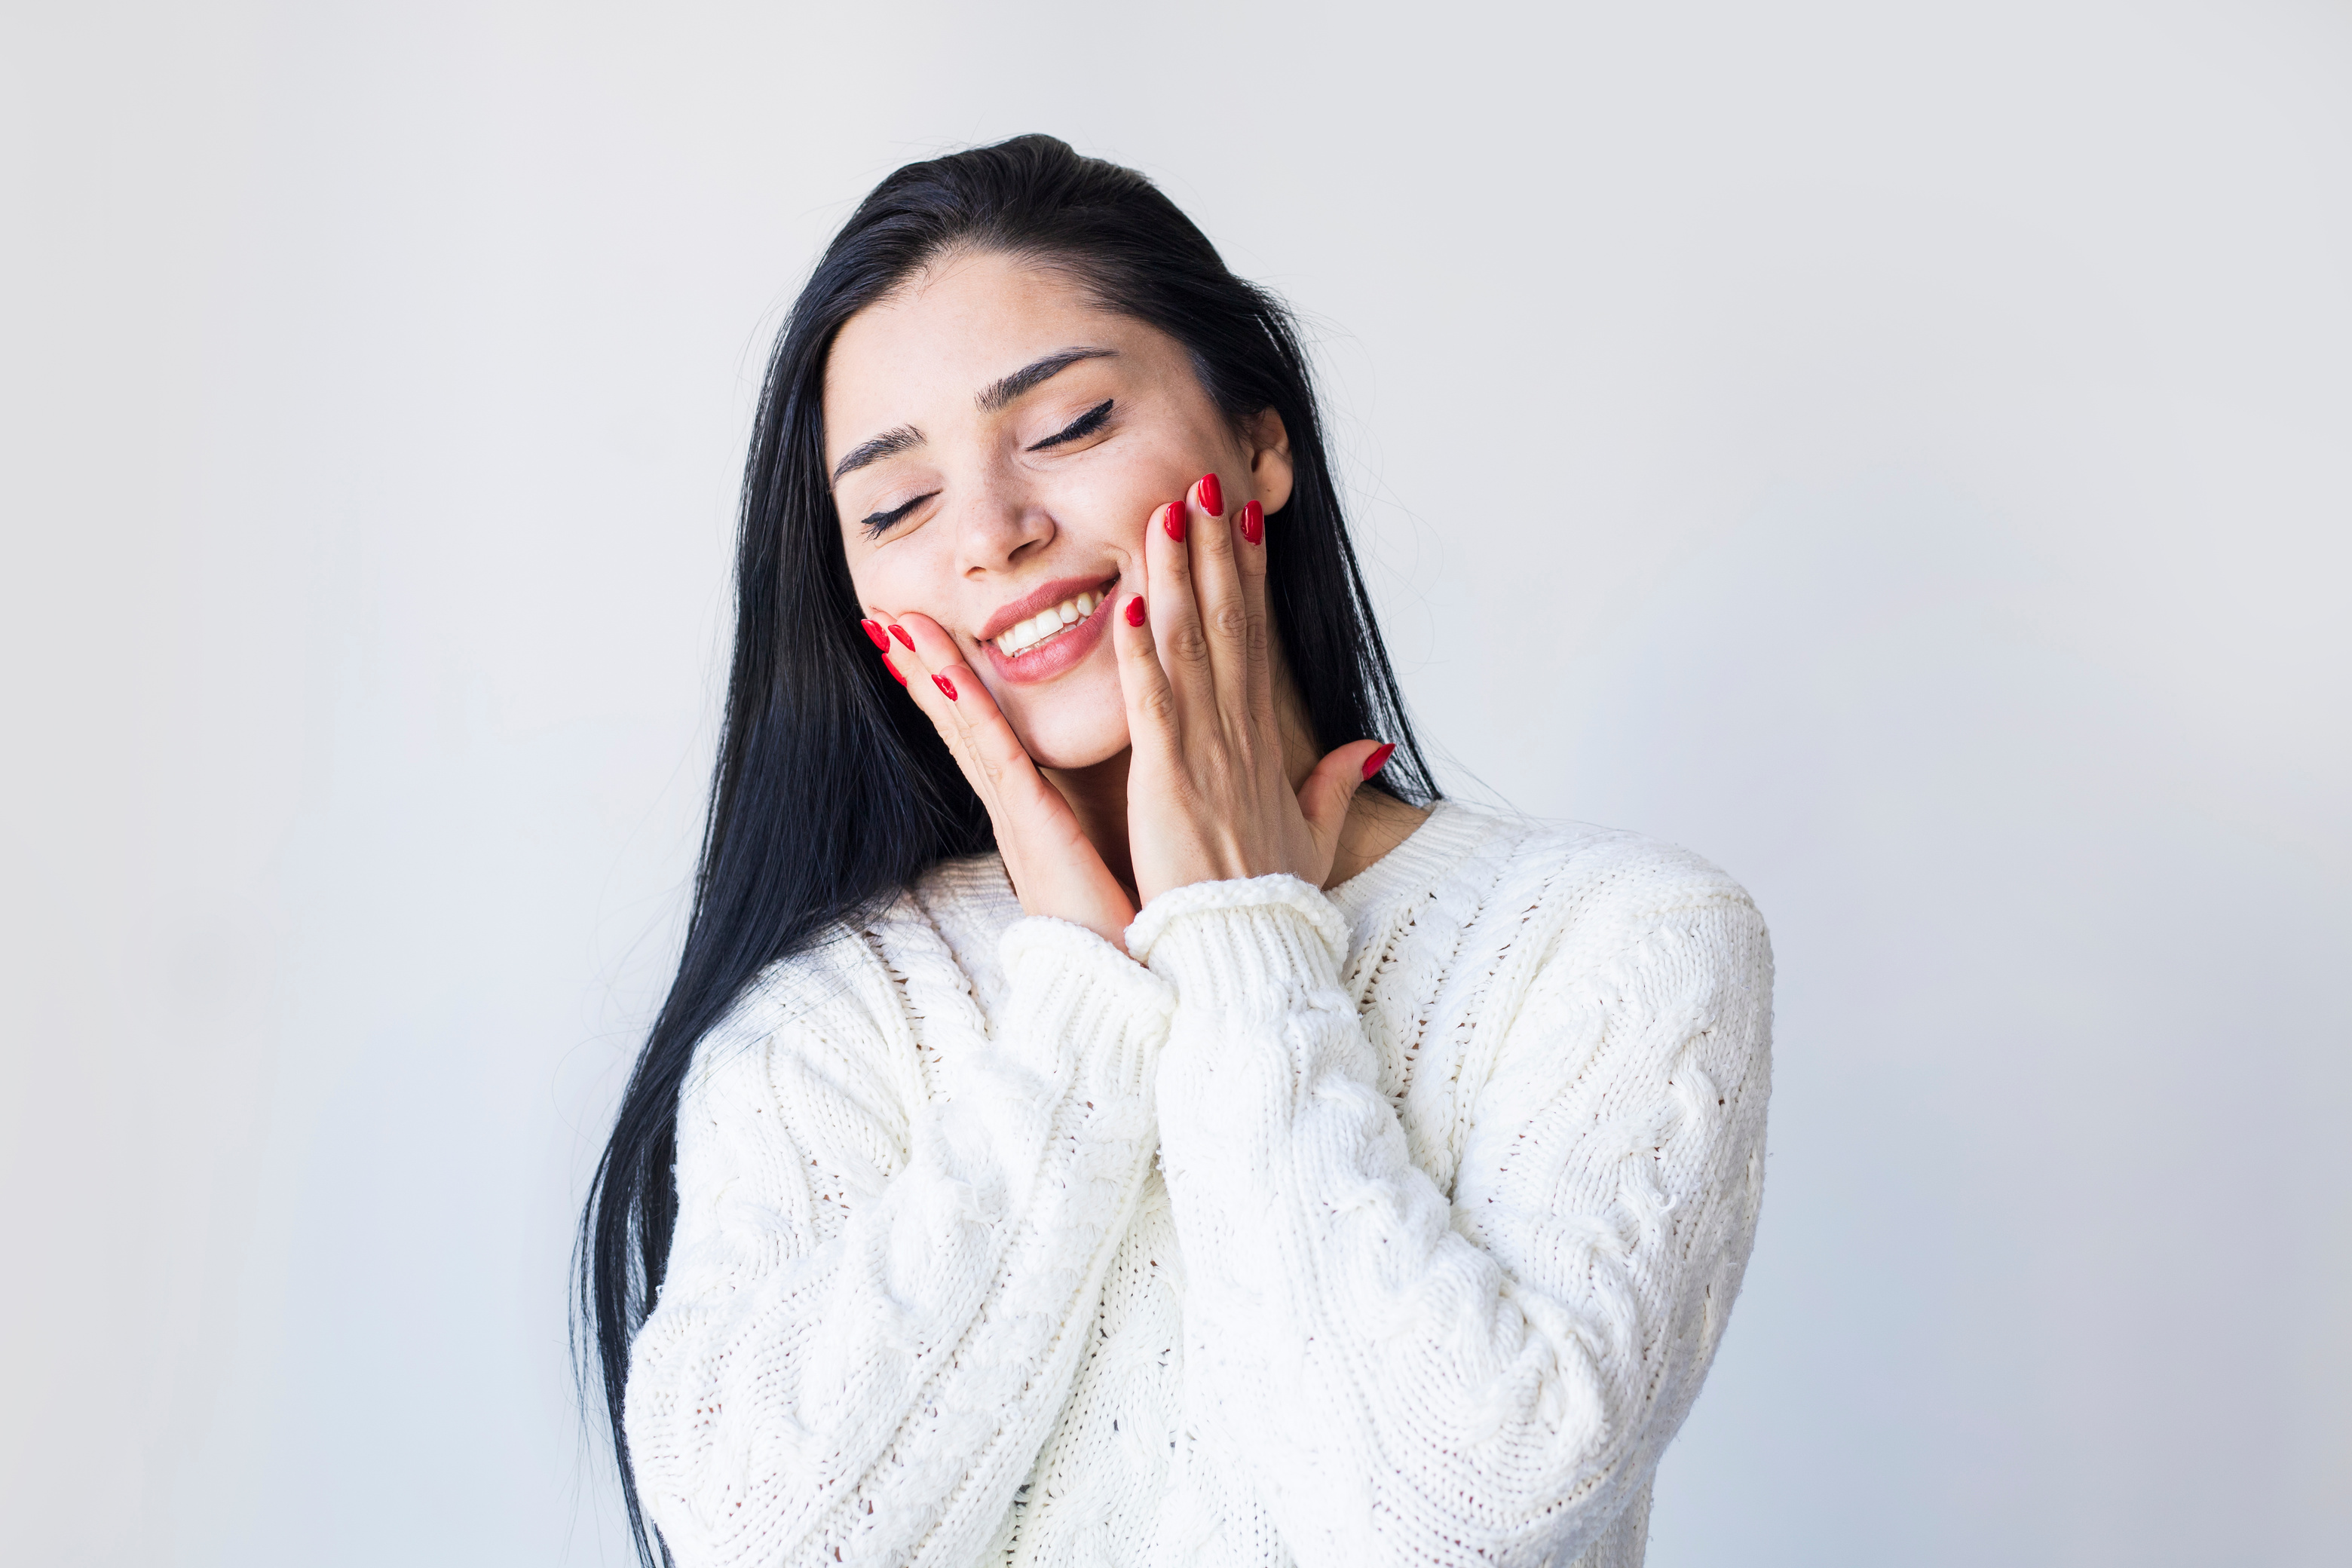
x=1209 y=797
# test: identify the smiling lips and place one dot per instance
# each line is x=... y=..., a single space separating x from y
x=1047 y=640
x=1022 y=635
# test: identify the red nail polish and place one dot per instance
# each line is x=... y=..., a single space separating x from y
x=1135 y=611
x=1174 y=522
x=893 y=669
x=944 y=684
x=900 y=633
x=876 y=636
x=1213 y=495
x=1252 y=522
x=1378 y=759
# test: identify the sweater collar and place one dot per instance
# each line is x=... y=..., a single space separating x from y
x=1445 y=839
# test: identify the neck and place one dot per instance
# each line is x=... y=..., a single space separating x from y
x=1097 y=797
x=1376 y=824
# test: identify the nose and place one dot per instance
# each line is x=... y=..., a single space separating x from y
x=1001 y=525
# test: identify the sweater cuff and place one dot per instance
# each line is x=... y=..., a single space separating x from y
x=1082 y=1006
x=1228 y=942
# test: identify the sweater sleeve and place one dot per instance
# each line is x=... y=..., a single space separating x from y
x=1490 y=1378
x=874 y=1305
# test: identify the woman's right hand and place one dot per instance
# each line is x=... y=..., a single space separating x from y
x=1055 y=867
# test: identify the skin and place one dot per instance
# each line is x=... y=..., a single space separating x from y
x=1172 y=752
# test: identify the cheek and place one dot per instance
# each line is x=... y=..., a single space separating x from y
x=1158 y=476
x=899 y=579
x=866 y=578
x=1100 y=515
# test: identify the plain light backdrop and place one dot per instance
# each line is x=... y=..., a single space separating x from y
x=1903 y=453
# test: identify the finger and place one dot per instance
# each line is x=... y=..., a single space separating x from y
x=1176 y=636
x=964 y=711
x=930 y=653
x=1151 y=718
x=1249 y=554
x=1331 y=789
x=897 y=645
x=1217 y=588
x=879 y=636
x=1054 y=868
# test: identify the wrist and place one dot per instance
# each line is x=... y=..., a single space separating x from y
x=1243 y=943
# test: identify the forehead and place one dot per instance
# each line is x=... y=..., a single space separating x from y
x=951 y=330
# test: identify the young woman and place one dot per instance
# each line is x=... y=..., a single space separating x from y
x=1111 y=1109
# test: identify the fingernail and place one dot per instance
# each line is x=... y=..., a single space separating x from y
x=900 y=633
x=1135 y=611
x=875 y=634
x=944 y=684
x=1378 y=759
x=1174 y=522
x=1252 y=522
x=1212 y=494
x=893 y=669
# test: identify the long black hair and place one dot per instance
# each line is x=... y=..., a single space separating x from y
x=798 y=837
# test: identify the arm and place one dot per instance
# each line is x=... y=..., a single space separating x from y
x=1488 y=1380
x=867 y=1325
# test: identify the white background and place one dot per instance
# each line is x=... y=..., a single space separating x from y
x=1902 y=452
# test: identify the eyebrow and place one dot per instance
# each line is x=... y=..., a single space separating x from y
x=992 y=397
x=890 y=444
x=997 y=396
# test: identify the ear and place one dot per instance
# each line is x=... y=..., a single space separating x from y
x=1270 y=464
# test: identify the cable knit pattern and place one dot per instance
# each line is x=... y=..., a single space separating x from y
x=1459 y=1166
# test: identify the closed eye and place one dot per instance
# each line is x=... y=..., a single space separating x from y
x=878 y=523
x=1084 y=425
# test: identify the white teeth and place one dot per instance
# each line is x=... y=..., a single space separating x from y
x=1028 y=634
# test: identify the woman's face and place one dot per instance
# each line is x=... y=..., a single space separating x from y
x=998 y=445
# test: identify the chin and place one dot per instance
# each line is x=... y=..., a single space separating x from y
x=1074 y=722
x=1073 y=745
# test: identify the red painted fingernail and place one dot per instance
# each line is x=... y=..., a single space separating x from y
x=875 y=634
x=944 y=684
x=893 y=669
x=1252 y=522
x=1174 y=522
x=1135 y=611
x=900 y=633
x=1213 y=495
x=1378 y=759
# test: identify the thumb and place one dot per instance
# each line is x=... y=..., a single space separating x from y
x=1328 y=791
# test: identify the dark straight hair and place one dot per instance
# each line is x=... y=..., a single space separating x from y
x=798 y=839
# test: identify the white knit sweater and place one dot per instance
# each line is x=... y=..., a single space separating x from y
x=1391 y=1225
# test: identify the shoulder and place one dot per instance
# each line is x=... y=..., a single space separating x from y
x=1582 y=894
x=1609 y=877
x=867 y=993
x=860 y=967
x=832 y=994
x=1514 y=864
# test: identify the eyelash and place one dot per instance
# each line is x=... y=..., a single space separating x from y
x=876 y=524
x=1084 y=425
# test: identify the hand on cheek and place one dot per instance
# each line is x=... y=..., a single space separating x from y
x=1052 y=865
x=1209 y=795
